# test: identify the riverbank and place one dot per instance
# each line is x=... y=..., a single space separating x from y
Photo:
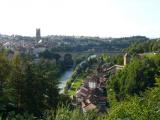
x=63 y=79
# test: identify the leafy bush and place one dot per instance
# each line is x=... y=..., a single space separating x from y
x=134 y=78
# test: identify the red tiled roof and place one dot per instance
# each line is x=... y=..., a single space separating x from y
x=82 y=92
x=88 y=107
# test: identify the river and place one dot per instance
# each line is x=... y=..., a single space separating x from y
x=63 y=79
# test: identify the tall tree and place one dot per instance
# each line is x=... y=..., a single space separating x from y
x=4 y=71
x=17 y=79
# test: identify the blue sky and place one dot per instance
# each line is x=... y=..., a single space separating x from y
x=104 y=18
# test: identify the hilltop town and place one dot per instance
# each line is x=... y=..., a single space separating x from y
x=37 y=44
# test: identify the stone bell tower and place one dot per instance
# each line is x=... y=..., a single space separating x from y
x=38 y=34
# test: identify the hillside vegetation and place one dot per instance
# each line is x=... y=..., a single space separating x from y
x=148 y=46
x=29 y=89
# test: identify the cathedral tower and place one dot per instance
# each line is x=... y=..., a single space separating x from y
x=38 y=34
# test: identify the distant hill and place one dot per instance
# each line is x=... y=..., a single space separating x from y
x=152 y=45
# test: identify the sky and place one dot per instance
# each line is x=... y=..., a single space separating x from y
x=103 y=18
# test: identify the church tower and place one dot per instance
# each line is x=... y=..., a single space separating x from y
x=38 y=34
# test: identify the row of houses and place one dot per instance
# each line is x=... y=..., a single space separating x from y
x=93 y=94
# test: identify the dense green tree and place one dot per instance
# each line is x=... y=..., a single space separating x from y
x=50 y=54
x=17 y=80
x=68 y=61
x=134 y=78
x=27 y=86
x=4 y=71
x=56 y=57
x=41 y=88
x=148 y=46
